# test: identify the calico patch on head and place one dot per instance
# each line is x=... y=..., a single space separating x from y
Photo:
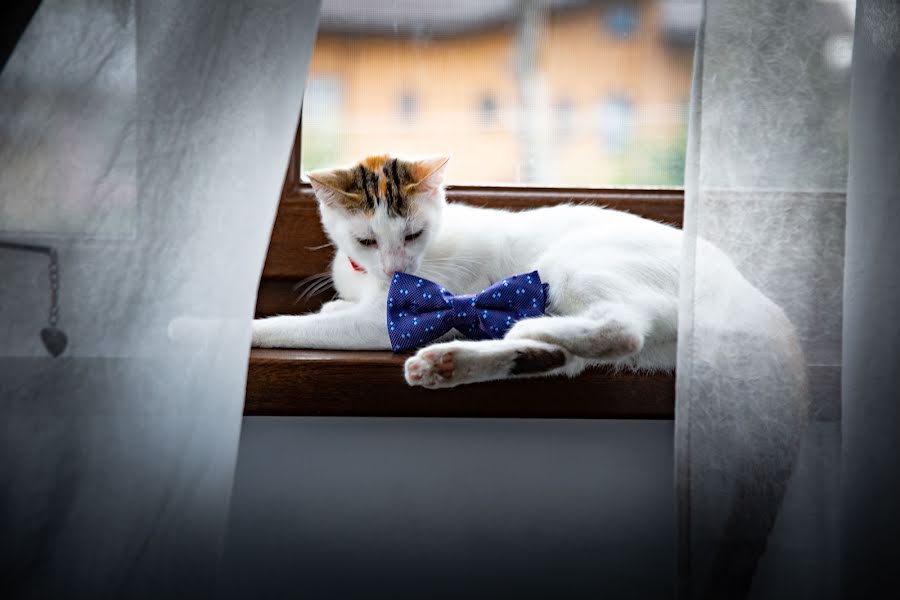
x=378 y=181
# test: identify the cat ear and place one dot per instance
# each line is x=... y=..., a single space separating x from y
x=427 y=174
x=332 y=187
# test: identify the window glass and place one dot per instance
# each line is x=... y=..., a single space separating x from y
x=524 y=92
x=324 y=116
x=615 y=119
x=622 y=18
x=488 y=110
x=565 y=118
x=408 y=107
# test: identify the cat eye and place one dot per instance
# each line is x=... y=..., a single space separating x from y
x=368 y=242
x=414 y=236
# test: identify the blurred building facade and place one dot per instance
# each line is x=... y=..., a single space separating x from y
x=541 y=92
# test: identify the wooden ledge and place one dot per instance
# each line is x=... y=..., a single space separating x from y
x=336 y=383
x=308 y=382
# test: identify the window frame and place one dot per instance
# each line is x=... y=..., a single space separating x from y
x=371 y=384
x=297 y=229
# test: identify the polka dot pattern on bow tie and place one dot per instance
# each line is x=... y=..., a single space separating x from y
x=419 y=310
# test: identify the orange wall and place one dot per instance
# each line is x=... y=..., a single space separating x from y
x=579 y=60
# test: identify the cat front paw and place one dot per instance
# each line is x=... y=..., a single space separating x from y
x=262 y=334
x=431 y=368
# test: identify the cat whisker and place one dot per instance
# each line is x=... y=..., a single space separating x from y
x=322 y=287
x=313 y=285
x=326 y=245
x=454 y=267
x=318 y=288
x=309 y=279
x=445 y=272
x=451 y=259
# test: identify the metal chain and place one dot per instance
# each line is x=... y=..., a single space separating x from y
x=53 y=273
x=54 y=288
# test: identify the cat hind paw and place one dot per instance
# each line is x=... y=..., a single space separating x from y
x=431 y=368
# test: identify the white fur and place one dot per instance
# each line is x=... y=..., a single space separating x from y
x=613 y=281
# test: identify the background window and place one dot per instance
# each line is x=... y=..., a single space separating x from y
x=537 y=71
x=565 y=118
x=487 y=109
x=615 y=117
x=409 y=106
x=621 y=18
x=323 y=105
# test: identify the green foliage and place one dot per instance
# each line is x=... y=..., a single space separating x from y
x=669 y=161
x=320 y=149
x=650 y=163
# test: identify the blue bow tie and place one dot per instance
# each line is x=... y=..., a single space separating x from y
x=419 y=310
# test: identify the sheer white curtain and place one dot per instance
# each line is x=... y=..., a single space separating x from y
x=142 y=150
x=759 y=434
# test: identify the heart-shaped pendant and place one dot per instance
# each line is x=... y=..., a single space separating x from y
x=54 y=340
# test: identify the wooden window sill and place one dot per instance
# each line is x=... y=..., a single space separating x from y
x=339 y=383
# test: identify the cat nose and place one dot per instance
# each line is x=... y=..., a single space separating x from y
x=389 y=271
x=399 y=266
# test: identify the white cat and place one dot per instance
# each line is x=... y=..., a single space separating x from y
x=613 y=277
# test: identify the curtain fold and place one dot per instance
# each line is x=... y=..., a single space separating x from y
x=871 y=342
x=143 y=146
x=758 y=387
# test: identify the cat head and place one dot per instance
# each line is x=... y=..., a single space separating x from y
x=382 y=212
